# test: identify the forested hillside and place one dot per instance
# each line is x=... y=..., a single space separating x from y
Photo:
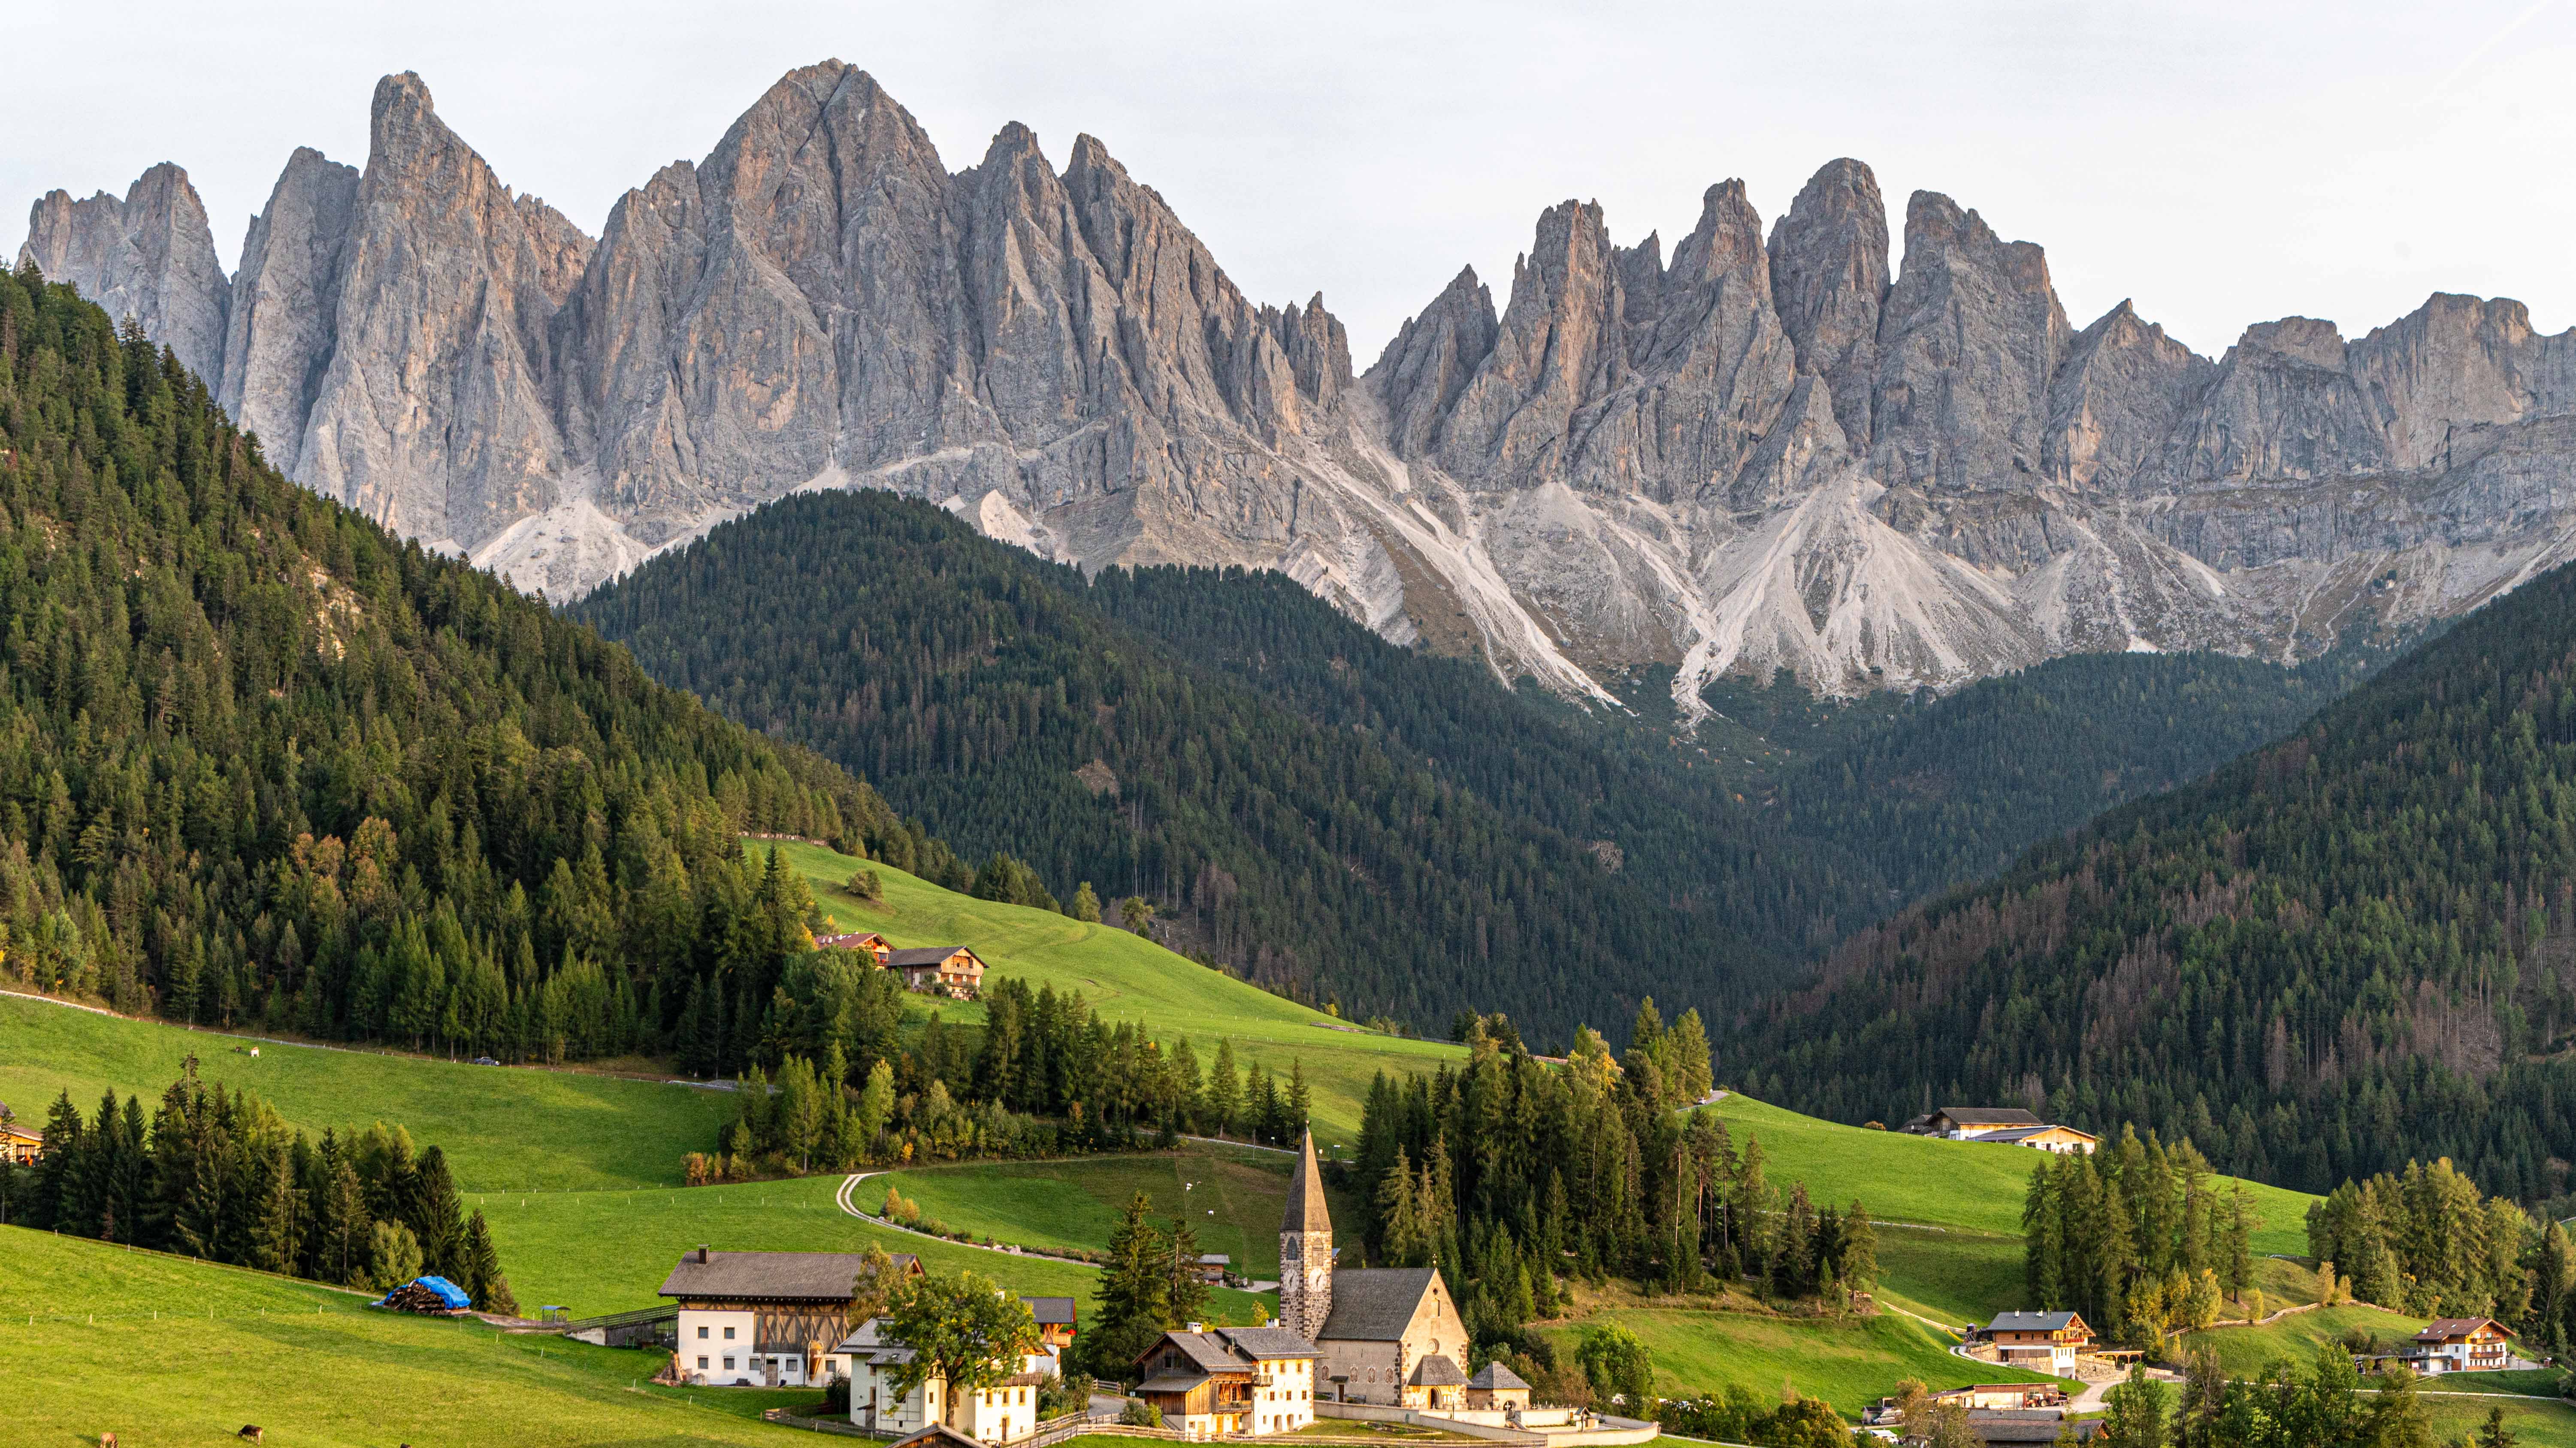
x=262 y=762
x=1350 y=820
x=1395 y=833
x=1935 y=791
x=2353 y=948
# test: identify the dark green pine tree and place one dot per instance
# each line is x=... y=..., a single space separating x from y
x=1133 y=1296
x=1184 y=1294
x=1300 y=1102
x=483 y=1276
x=57 y=1170
x=438 y=1218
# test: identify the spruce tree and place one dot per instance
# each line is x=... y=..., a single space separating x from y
x=438 y=1220
x=482 y=1267
x=1184 y=1295
x=1224 y=1090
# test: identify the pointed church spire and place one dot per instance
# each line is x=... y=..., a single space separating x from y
x=1306 y=1209
x=1306 y=1251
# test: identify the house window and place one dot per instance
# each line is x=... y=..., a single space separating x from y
x=728 y=1364
x=702 y=1334
x=728 y=1334
x=702 y=1358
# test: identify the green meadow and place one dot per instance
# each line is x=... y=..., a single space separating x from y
x=1948 y=1183
x=1233 y=1197
x=180 y=1354
x=601 y=1252
x=500 y=1125
x=1848 y=1362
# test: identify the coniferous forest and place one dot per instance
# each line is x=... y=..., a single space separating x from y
x=261 y=762
x=1356 y=821
x=1337 y=853
x=2342 y=953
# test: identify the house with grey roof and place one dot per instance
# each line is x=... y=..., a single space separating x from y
x=773 y=1319
x=1231 y=1381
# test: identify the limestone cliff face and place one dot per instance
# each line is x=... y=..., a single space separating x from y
x=283 y=328
x=150 y=257
x=1739 y=454
x=1829 y=276
x=435 y=413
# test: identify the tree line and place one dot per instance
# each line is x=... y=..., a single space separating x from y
x=1046 y=1074
x=218 y=1175
x=2425 y=1242
x=2138 y=1238
x=1509 y=1175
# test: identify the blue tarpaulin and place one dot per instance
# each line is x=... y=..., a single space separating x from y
x=448 y=1292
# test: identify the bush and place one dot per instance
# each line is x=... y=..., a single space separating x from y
x=867 y=886
x=1142 y=1415
x=1061 y=1395
x=836 y=1398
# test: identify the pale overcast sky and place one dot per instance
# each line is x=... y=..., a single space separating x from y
x=2220 y=163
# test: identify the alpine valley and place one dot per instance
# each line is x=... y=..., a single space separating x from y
x=1741 y=453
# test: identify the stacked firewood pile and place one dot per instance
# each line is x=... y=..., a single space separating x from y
x=412 y=1297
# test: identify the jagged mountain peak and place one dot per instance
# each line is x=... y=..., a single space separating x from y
x=1748 y=447
x=148 y=255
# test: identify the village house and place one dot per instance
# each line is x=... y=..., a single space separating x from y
x=950 y=970
x=2043 y=1342
x=868 y=941
x=2462 y=1345
x=770 y=1319
x=1213 y=1267
x=1003 y=1413
x=20 y=1145
x=1231 y=1381
x=1387 y=1335
x=2003 y=1126
x=1058 y=1321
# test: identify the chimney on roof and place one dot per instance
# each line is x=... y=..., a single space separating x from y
x=702 y=1252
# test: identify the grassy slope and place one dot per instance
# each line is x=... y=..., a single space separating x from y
x=2243 y=1351
x=597 y=1252
x=1234 y=1196
x=1129 y=978
x=1948 y=1183
x=254 y=1349
x=498 y=1125
x=1849 y=1363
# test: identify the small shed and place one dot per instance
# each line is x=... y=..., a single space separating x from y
x=1496 y=1386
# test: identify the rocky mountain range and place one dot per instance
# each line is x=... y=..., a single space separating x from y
x=1757 y=452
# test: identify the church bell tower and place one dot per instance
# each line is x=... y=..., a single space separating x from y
x=1306 y=1251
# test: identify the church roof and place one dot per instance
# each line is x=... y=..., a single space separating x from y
x=1373 y=1304
x=1306 y=1209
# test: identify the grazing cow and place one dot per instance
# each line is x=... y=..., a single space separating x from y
x=251 y=1433
x=106 y=1440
